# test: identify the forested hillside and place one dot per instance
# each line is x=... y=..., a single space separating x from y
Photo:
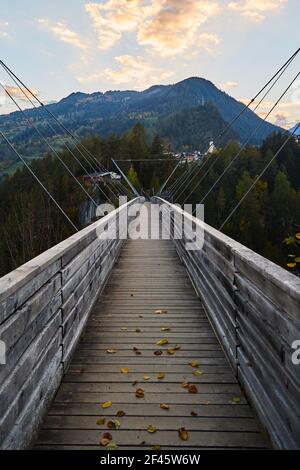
x=194 y=101
x=268 y=221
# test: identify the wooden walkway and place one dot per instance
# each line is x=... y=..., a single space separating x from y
x=148 y=277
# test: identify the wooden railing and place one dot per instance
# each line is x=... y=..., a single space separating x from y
x=254 y=307
x=44 y=306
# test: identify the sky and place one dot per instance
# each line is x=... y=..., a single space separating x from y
x=62 y=46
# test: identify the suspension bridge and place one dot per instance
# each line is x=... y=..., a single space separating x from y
x=133 y=343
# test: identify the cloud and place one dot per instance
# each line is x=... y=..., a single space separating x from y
x=256 y=9
x=228 y=85
x=63 y=33
x=16 y=93
x=132 y=70
x=175 y=26
x=281 y=119
x=167 y=27
x=3 y=27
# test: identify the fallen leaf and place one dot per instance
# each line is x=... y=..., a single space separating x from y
x=197 y=373
x=111 y=351
x=138 y=353
x=297 y=236
x=194 y=364
x=134 y=383
x=166 y=329
x=156 y=448
x=111 y=446
x=171 y=351
x=161 y=376
x=151 y=429
x=82 y=371
x=135 y=349
x=147 y=377
x=236 y=399
x=185 y=385
x=161 y=311
x=120 y=414
x=177 y=347
x=101 y=421
x=140 y=316
x=183 y=434
x=106 y=404
x=164 y=406
x=158 y=353
x=114 y=424
x=193 y=413
x=140 y=393
x=162 y=342
x=138 y=330
x=105 y=439
x=124 y=370
x=124 y=329
x=192 y=389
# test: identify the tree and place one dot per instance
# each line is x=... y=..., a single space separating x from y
x=133 y=177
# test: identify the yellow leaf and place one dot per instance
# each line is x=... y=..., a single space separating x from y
x=194 y=363
x=164 y=406
x=166 y=329
x=291 y=265
x=197 y=373
x=106 y=404
x=161 y=376
x=297 y=259
x=183 y=434
x=124 y=329
x=171 y=351
x=111 y=351
x=297 y=236
x=147 y=377
x=156 y=448
x=101 y=421
x=124 y=370
x=114 y=424
x=162 y=342
x=151 y=429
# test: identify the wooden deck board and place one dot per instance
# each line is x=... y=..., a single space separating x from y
x=147 y=277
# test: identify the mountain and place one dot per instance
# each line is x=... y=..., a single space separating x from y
x=156 y=107
x=296 y=129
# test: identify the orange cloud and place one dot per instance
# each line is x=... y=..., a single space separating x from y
x=63 y=33
x=256 y=9
x=167 y=27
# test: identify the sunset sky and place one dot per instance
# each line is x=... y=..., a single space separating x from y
x=62 y=46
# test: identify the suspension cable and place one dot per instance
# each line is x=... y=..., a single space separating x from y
x=259 y=177
x=38 y=180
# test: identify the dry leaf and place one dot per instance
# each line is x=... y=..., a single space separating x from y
x=192 y=389
x=106 y=404
x=147 y=377
x=166 y=329
x=193 y=413
x=114 y=424
x=171 y=351
x=161 y=312
x=119 y=414
x=194 y=364
x=101 y=421
x=124 y=370
x=111 y=446
x=177 y=347
x=197 y=373
x=162 y=342
x=158 y=353
x=138 y=330
x=185 y=385
x=111 y=351
x=106 y=438
x=138 y=353
x=161 y=376
x=151 y=429
x=156 y=448
x=183 y=434
x=164 y=406
x=124 y=329
x=140 y=393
